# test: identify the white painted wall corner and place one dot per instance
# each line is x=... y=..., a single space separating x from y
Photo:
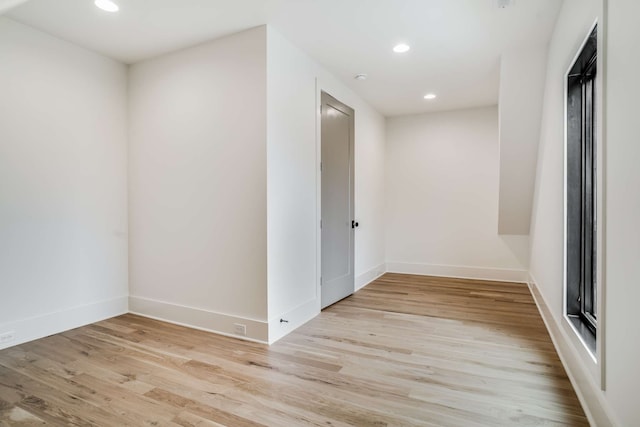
x=279 y=326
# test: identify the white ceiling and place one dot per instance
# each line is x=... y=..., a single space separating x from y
x=456 y=44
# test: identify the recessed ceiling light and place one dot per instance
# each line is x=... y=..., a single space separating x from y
x=361 y=77
x=430 y=96
x=401 y=48
x=107 y=5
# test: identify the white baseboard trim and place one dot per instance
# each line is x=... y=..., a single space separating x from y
x=294 y=319
x=197 y=318
x=365 y=278
x=589 y=393
x=459 y=271
x=54 y=323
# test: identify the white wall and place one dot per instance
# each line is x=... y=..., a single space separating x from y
x=223 y=185
x=198 y=199
x=442 y=197
x=616 y=404
x=547 y=223
x=6 y=5
x=370 y=194
x=294 y=84
x=63 y=203
x=291 y=193
x=522 y=80
x=574 y=23
x=622 y=211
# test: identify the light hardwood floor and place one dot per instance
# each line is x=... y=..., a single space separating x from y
x=406 y=350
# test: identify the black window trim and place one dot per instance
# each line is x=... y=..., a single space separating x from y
x=582 y=313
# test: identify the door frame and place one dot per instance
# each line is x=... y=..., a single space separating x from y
x=321 y=94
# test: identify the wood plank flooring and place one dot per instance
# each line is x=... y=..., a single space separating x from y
x=404 y=351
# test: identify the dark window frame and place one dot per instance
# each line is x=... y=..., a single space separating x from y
x=581 y=193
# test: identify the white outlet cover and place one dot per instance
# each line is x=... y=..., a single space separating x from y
x=240 y=329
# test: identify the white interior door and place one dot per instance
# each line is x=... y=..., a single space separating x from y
x=337 y=200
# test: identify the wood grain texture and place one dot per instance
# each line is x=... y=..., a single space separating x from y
x=404 y=351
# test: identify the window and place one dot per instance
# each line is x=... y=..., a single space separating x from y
x=581 y=194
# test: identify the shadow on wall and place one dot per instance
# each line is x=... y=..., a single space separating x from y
x=519 y=247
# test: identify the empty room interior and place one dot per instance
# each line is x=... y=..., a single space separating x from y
x=319 y=212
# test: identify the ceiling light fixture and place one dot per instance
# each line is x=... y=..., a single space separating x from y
x=401 y=48
x=107 y=5
x=503 y=4
x=430 y=96
x=361 y=77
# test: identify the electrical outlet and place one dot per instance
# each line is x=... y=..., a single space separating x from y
x=7 y=337
x=239 y=329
